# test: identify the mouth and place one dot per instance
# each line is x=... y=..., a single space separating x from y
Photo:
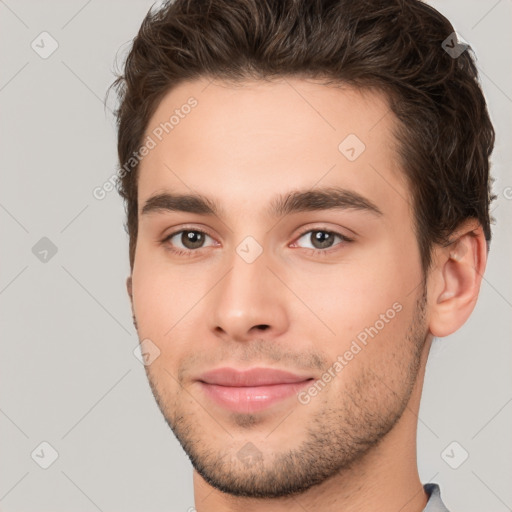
x=251 y=390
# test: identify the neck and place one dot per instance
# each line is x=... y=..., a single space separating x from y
x=385 y=479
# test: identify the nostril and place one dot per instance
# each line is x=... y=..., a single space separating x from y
x=263 y=327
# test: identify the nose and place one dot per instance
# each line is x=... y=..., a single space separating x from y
x=249 y=302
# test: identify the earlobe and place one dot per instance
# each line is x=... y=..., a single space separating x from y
x=460 y=267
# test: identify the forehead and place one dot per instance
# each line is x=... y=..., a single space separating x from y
x=247 y=141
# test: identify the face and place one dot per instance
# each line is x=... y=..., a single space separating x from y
x=278 y=279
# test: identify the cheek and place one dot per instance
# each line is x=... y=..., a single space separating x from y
x=375 y=358
x=350 y=297
x=158 y=306
x=168 y=305
x=160 y=297
x=367 y=304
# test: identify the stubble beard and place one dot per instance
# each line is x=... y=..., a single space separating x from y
x=334 y=441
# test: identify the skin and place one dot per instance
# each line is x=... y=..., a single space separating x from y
x=353 y=446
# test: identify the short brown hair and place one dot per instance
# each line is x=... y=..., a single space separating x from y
x=445 y=136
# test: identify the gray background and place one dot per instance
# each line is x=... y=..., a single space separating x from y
x=68 y=374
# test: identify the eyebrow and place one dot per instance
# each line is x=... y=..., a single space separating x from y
x=331 y=198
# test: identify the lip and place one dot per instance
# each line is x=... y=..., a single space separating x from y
x=251 y=390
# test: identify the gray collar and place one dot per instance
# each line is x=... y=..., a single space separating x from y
x=434 y=503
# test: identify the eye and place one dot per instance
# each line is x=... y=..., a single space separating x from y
x=187 y=240
x=321 y=239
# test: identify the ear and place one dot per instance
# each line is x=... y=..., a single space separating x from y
x=456 y=279
x=130 y=294
x=129 y=287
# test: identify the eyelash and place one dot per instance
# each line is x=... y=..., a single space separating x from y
x=315 y=252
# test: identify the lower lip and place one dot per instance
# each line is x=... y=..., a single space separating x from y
x=251 y=399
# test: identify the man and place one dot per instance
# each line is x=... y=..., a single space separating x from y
x=307 y=197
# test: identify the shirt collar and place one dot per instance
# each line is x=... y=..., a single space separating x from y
x=434 y=504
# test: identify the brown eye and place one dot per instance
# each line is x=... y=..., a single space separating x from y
x=192 y=239
x=320 y=239
x=188 y=240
